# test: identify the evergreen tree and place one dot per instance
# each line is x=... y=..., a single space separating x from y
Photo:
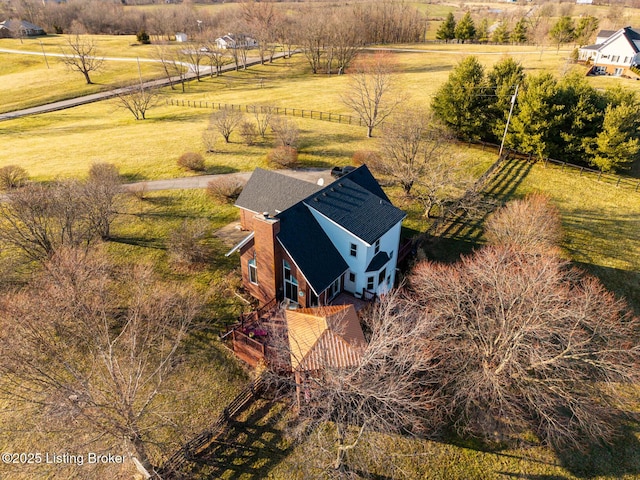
x=535 y=127
x=460 y=103
x=501 y=33
x=465 y=29
x=446 y=31
x=616 y=147
x=586 y=27
x=519 y=34
x=563 y=31
x=502 y=81
x=482 y=33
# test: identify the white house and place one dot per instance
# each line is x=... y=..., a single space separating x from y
x=308 y=243
x=614 y=53
x=181 y=37
x=236 y=40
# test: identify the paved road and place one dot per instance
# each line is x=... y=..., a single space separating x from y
x=308 y=174
x=96 y=97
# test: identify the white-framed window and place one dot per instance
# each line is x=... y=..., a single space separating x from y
x=376 y=247
x=290 y=283
x=353 y=250
x=615 y=58
x=253 y=271
x=370 y=284
x=334 y=289
x=617 y=72
x=352 y=277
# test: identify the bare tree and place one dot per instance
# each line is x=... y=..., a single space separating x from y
x=174 y=65
x=187 y=245
x=218 y=58
x=285 y=131
x=83 y=56
x=263 y=115
x=387 y=390
x=526 y=343
x=226 y=121
x=93 y=349
x=138 y=100
x=12 y=176
x=194 y=54
x=414 y=153
x=532 y=224
x=312 y=37
x=370 y=94
x=101 y=194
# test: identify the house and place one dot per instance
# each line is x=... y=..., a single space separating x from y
x=19 y=28
x=181 y=37
x=584 y=2
x=308 y=243
x=236 y=40
x=614 y=53
x=321 y=340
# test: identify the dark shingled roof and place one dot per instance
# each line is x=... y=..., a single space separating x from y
x=273 y=192
x=363 y=177
x=310 y=248
x=377 y=262
x=355 y=208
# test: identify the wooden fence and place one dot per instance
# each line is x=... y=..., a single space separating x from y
x=174 y=465
x=296 y=112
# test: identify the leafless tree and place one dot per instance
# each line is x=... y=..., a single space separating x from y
x=83 y=56
x=414 y=153
x=174 y=65
x=195 y=55
x=371 y=92
x=344 y=39
x=137 y=100
x=532 y=224
x=312 y=38
x=187 y=245
x=218 y=58
x=260 y=18
x=101 y=193
x=526 y=343
x=263 y=115
x=388 y=390
x=225 y=121
x=93 y=349
x=285 y=131
x=36 y=220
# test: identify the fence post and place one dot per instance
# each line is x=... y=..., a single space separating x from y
x=581 y=170
x=618 y=182
x=637 y=186
x=599 y=175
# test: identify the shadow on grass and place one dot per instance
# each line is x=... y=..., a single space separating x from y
x=139 y=241
x=624 y=283
x=249 y=449
x=533 y=476
x=622 y=458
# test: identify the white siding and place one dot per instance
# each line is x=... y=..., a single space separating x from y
x=342 y=240
x=615 y=53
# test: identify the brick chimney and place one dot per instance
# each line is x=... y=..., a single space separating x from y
x=268 y=262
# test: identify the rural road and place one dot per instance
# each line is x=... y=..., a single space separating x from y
x=96 y=97
x=308 y=174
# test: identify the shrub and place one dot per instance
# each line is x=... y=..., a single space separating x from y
x=362 y=157
x=187 y=243
x=249 y=132
x=283 y=157
x=224 y=189
x=191 y=161
x=286 y=133
x=143 y=37
x=12 y=176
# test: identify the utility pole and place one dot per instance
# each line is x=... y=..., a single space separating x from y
x=506 y=127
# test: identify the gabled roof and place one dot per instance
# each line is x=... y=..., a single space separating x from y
x=272 y=192
x=605 y=33
x=629 y=34
x=310 y=247
x=356 y=209
x=378 y=261
x=20 y=25
x=324 y=337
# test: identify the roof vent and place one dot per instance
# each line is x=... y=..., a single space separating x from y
x=315 y=199
x=324 y=194
x=265 y=214
x=321 y=182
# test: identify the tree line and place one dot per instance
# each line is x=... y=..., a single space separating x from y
x=564 y=118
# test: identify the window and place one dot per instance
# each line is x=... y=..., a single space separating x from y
x=615 y=58
x=370 y=283
x=352 y=277
x=290 y=283
x=382 y=275
x=353 y=250
x=253 y=271
x=376 y=247
x=617 y=72
x=626 y=59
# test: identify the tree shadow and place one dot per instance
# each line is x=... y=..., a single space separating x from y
x=620 y=459
x=248 y=449
x=139 y=241
x=528 y=476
